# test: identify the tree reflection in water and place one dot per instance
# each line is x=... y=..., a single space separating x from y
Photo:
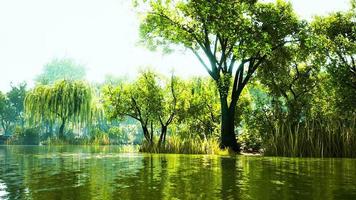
x=104 y=173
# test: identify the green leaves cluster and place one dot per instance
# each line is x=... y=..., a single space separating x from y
x=11 y=108
x=336 y=38
x=150 y=100
x=61 y=102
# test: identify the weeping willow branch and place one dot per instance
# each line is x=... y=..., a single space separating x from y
x=62 y=102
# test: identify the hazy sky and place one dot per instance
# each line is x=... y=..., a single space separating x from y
x=100 y=34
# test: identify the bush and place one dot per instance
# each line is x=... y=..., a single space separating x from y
x=99 y=137
x=26 y=136
x=250 y=141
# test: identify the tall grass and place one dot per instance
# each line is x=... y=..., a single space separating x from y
x=176 y=144
x=313 y=138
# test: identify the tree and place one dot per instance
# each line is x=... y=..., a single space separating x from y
x=336 y=38
x=222 y=34
x=7 y=114
x=61 y=69
x=139 y=100
x=150 y=100
x=62 y=102
x=11 y=107
x=16 y=98
x=170 y=101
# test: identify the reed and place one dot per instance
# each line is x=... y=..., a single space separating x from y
x=313 y=138
x=176 y=144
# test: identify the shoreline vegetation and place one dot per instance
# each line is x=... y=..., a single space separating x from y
x=276 y=85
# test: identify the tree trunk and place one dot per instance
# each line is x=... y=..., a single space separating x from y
x=145 y=132
x=162 y=137
x=7 y=131
x=6 y=127
x=151 y=135
x=228 y=137
x=61 y=129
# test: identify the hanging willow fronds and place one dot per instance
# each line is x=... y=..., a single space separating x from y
x=69 y=100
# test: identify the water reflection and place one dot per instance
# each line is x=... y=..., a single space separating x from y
x=104 y=173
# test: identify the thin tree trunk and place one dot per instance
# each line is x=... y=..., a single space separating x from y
x=145 y=132
x=6 y=127
x=61 y=129
x=162 y=137
x=151 y=135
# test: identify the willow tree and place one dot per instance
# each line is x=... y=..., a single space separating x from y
x=62 y=102
x=231 y=39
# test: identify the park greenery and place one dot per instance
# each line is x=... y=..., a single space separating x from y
x=277 y=85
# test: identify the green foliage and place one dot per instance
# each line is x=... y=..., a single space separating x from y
x=220 y=34
x=176 y=144
x=150 y=100
x=16 y=98
x=7 y=114
x=291 y=79
x=201 y=113
x=25 y=136
x=117 y=134
x=99 y=137
x=278 y=84
x=139 y=100
x=64 y=101
x=336 y=38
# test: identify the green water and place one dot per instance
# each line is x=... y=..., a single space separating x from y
x=29 y=172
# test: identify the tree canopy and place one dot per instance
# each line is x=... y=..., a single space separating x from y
x=336 y=39
x=62 y=102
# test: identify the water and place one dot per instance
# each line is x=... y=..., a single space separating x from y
x=31 y=172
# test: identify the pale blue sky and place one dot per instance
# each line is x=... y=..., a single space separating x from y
x=101 y=34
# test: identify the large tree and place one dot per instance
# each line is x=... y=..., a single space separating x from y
x=62 y=102
x=231 y=39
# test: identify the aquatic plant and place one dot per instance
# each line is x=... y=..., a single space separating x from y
x=314 y=138
x=176 y=144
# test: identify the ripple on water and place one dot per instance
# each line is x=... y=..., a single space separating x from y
x=44 y=173
x=3 y=192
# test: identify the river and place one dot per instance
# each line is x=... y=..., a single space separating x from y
x=104 y=172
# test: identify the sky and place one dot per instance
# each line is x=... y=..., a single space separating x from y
x=102 y=35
